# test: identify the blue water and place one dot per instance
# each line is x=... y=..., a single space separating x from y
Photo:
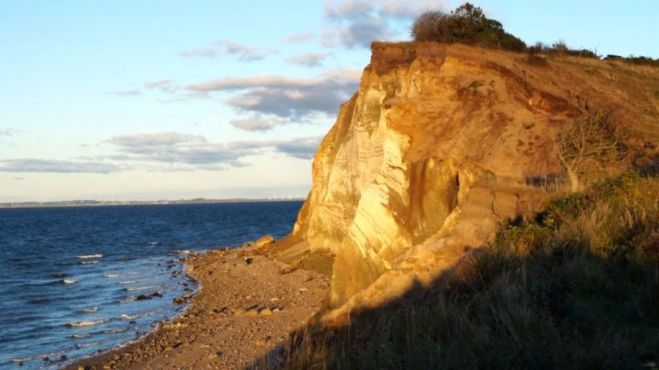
x=70 y=278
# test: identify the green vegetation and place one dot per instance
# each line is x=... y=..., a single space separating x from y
x=560 y=48
x=577 y=286
x=468 y=25
x=646 y=61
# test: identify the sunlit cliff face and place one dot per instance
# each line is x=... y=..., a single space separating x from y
x=438 y=146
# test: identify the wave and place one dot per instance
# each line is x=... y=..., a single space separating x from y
x=127 y=300
x=89 y=309
x=184 y=251
x=88 y=262
x=81 y=336
x=21 y=361
x=128 y=282
x=83 y=345
x=116 y=331
x=128 y=317
x=83 y=324
x=69 y=281
x=137 y=289
x=88 y=256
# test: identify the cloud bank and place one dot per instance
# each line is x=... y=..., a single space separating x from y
x=309 y=59
x=55 y=166
x=285 y=97
x=226 y=47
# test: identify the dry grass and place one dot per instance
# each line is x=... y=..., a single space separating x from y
x=577 y=287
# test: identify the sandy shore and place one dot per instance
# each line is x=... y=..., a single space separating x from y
x=245 y=309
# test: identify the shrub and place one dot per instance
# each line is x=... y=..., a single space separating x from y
x=561 y=48
x=590 y=139
x=536 y=60
x=640 y=60
x=467 y=24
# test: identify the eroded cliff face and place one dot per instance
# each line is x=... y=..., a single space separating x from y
x=439 y=144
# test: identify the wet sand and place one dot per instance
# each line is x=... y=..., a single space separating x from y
x=245 y=309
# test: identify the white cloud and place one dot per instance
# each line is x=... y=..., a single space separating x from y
x=132 y=92
x=25 y=165
x=256 y=123
x=299 y=37
x=309 y=59
x=357 y=23
x=226 y=47
x=167 y=86
x=286 y=97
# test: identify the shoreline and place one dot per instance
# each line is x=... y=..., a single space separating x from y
x=243 y=309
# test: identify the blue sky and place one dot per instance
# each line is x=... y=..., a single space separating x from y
x=171 y=99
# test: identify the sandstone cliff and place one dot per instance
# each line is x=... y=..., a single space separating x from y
x=441 y=143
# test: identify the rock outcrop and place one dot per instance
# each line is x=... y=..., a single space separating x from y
x=438 y=146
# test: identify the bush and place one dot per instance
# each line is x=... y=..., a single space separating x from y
x=561 y=48
x=467 y=24
x=634 y=60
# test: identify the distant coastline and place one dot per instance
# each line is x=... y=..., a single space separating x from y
x=101 y=203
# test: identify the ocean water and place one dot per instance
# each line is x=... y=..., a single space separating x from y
x=73 y=281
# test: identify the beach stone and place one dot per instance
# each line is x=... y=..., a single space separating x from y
x=252 y=313
x=238 y=311
x=264 y=240
x=265 y=312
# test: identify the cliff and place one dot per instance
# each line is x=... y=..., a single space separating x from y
x=438 y=146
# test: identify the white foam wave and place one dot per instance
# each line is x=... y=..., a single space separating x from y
x=128 y=317
x=128 y=282
x=81 y=336
x=115 y=331
x=89 y=256
x=184 y=251
x=82 y=324
x=88 y=262
x=83 y=345
x=127 y=300
x=137 y=289
x=90 y=309
x=20 y=361
x=69 y=281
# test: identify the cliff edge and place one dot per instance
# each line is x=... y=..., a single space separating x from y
x=439 y=145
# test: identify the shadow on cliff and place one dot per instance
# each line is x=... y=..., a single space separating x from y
x=577 y=287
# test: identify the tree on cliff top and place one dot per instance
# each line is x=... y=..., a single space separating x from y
x=467 y=24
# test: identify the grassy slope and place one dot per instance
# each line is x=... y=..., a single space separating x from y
x=577 y=287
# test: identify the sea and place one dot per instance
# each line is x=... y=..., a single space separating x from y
x=78 y=281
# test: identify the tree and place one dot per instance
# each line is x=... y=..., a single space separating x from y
x=425 y=26
x=592 y=137
x=466 y=24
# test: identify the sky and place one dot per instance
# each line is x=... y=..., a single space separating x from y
x=170 y=99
